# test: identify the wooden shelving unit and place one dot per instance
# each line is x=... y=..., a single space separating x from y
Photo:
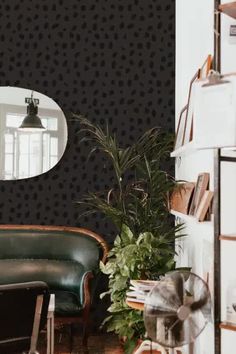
x=221 y=328
x=229 y=9
x=227 y=237
x=228 y=326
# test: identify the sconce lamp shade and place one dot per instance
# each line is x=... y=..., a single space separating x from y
x=32 y=120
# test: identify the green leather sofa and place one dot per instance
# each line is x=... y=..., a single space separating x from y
x=66 y=258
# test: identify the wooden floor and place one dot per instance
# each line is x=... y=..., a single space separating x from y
x=98 y=344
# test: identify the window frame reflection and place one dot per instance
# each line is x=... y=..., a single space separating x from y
x=45 y=160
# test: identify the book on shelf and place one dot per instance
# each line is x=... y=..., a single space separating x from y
x=204 y=205
x=139 y=290
x=200 y=188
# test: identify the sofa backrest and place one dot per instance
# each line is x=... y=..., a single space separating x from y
x=52 y=242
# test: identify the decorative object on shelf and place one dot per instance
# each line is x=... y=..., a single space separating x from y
x=215 y=112
x=179 y=139
x=180 y=199
x=231 y=302
x=32 y=122
x=201 y=187
x=204 y=205
x=188 y=130
x=206 y=67
x=138 y=208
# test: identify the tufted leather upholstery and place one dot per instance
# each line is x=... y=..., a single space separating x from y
x=57 y=245
x=61 y=257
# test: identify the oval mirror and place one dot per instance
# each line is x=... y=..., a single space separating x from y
x=33 y=133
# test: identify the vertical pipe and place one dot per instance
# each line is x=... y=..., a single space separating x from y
x=217 y=36
x=217 y=249
x=217 y=197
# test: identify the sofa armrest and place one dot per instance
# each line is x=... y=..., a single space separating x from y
x=85 y=293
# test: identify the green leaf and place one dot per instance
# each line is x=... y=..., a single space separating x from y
x=126 y=234
x=130 y=346
x=120 y=283
x=146 y=237
x=136 y=202
x=102 y=267
x=117 y=241
x=107 y=268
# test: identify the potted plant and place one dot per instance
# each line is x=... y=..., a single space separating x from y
x=144 y=246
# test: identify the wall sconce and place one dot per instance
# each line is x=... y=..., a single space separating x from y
x=31 y=122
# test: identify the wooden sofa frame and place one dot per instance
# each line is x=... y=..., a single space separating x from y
x=87 y=294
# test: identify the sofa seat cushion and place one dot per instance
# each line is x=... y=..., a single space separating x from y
x=59 y=275
x=66 y=304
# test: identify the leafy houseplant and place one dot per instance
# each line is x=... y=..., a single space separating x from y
x=144 y=247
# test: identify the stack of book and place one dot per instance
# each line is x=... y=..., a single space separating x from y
x=139 y=290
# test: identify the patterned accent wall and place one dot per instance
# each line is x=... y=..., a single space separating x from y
x=112 y=60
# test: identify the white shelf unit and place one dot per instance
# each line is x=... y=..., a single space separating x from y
x=192 y=147
x=194 y=41
x=228 y=188
x=196 y=250
x=190 y=218
x=184 y=150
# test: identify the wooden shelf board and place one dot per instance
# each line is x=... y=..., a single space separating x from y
x=229 y=9
x=227 y=237
x=228 y=326
x=186 y=217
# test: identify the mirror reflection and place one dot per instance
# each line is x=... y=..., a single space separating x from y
x=33 y=133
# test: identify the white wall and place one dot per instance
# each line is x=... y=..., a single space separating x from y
x=194 y=41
